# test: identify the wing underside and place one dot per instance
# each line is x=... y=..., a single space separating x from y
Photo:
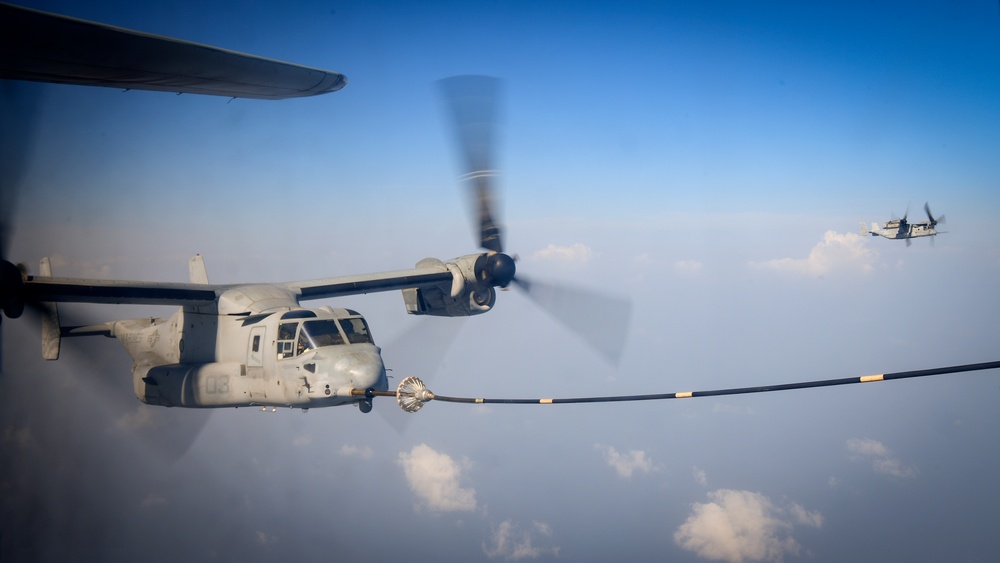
x=44 y=47
x=371 y=283
x=41 y=289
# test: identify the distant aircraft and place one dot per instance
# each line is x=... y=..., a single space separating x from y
x=902 y=229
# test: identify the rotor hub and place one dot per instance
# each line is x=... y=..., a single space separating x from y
x=495 y=268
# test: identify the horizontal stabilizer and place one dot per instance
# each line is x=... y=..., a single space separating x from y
x=90 y=330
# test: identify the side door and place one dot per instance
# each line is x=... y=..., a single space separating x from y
x=255 y=362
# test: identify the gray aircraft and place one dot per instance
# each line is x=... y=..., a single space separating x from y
x=254 y=344
x=903 y=229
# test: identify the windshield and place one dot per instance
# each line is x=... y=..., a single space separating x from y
x=356 y=331
x=318 y=333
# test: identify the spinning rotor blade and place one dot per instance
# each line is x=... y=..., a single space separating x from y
x=472 y=104
x=600 y=320
x=18 y=103
x=933 y=221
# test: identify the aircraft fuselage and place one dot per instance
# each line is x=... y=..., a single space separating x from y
x=301 y=358
x=898 y=229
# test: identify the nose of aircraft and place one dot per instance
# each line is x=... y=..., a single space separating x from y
x=362 y=368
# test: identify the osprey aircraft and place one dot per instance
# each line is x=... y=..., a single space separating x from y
x=255 y=344
x=902 y=229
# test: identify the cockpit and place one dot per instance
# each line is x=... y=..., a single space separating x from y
x=301 y=331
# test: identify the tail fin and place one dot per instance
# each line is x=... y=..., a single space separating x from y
x=864 y=229
x=51 y=331
x=196 y=269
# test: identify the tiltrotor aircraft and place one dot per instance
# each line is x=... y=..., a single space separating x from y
x=254 y=344
x=902 y=229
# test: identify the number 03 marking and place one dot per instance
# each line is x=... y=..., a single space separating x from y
x=217 y=385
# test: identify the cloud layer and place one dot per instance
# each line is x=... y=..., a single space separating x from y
x=434 y=478
x=883 y=461
x=836 y=253
x=739 y=526
x=574 y=254
x=626 y=464
x=511 y=542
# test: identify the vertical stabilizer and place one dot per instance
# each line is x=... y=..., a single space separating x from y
x=196 y=269
x=51 y=332
x=864 y=229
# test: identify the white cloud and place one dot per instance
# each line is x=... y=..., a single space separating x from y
x=867 y=447
x=836 y=253
x=739 y=526
x=508 y=541
x=883 y=461
x=626 y=464
x=575 y=254
x=804 y=517
x=363 y=452
x=700 y=476
x=434 y=478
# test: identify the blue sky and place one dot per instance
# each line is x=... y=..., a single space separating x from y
x=710 y=162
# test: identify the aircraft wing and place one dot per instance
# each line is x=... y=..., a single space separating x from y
x=44 y=47
x=370 y=283
x=74 y=290
x=41 y=289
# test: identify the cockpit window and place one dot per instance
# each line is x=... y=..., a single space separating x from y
x=356 y=331
x=286 y=331
x=303 y=344
x=320 y=333
x=286 y=339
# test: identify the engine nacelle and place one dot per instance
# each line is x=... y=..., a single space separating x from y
x=471 y=291
x=438 y=301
